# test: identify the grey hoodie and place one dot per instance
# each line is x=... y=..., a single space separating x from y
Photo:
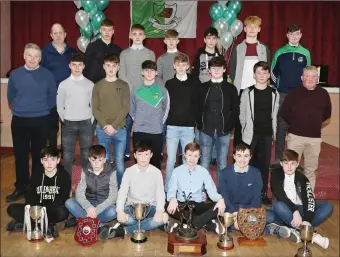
x=247 y=113
x=102 y=188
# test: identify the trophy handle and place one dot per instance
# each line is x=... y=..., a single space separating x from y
x=221 y=223
x=147 y=209
x=131 y=212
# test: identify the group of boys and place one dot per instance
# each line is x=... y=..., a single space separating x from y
x=131 y=88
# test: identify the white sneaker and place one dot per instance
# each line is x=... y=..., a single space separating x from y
x=320 y=240
x=295 y=235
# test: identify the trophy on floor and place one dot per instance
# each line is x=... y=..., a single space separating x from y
x=251 y=222
x=139 y=211
x=226 y=241
x=187 y=240
x=35 y=214
x=306 y=235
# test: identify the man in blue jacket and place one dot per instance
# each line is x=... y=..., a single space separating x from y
x=31 y=95
x=56 y=58
x=287 y=67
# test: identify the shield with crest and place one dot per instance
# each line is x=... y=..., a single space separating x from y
x=167 y=14
x=86 y=231
x=251 y=222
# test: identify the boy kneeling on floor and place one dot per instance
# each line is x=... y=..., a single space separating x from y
x=50 y=188
x=141 y=183
x=293 y=201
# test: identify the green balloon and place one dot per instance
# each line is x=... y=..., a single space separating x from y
x=97 y=19
x=88 y=5
x=87 y=31
x=235 y=5
x=98 y=36
x=216 y=11
x=102 y=4
x=230 y=16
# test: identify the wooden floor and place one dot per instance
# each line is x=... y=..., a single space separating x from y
x=15 y=244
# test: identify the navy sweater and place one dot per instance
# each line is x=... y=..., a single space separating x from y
x=241 y=189
x=57 y=63
x=32 y=93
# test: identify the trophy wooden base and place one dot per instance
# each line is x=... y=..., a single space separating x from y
x=36 y=240
x=193 y=247
x=243 y=241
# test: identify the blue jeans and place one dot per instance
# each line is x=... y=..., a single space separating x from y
x=284 y=215
x=78 y=212
x=146 y=224
x=175 y=134
x=163 y=137
x=129 y=122
x=119 y=143
x=222 y=146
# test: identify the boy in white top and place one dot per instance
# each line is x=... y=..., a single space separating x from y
x=75 y=111
x=142 y=183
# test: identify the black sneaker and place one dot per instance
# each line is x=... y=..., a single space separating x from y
x=300 y=169
x=266 y=200
x=127 y=158
x=15 y=196
x=109 y=232
x=71 y=223
x=213 y=161
x=15 y=225
x=171 y=226
x=52 y=230
x=215 y=227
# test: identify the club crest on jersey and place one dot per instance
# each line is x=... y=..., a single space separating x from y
x=300 y=59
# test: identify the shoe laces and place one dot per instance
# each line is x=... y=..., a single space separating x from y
x=276 y=232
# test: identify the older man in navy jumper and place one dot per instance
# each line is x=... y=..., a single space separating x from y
x=56 y=58
x=31 y=96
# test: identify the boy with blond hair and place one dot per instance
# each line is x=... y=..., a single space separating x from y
x=242 y=60
x=130 y=71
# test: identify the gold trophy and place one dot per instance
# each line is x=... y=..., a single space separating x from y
x=306 y=235
x=226 y=241
x=36 y=234
x=139 y=211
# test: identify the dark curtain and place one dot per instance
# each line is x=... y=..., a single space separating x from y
x=32 y=20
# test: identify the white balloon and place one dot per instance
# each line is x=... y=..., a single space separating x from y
x=221 y=25
x=223 y=3
x=77 y=3
x=236 y=28
x=82 y=43
x=82 y=18
x=226 y=39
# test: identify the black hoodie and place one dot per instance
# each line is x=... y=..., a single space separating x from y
x=303 y=189
x=44 y=191
x=201 y=71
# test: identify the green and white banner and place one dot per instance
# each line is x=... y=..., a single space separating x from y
x=157 y=16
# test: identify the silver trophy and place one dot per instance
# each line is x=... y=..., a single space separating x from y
x=226 y=241
x=306 y=235
x=139 y=211
x=36 y=234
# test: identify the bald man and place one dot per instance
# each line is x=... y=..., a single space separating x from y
x=56 y=58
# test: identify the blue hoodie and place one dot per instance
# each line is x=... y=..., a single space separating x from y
x=57 y=63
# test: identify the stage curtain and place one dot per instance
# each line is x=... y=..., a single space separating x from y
x=31 y=22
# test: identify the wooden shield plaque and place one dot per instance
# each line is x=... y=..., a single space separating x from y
x=251 y=222
x=86 y=231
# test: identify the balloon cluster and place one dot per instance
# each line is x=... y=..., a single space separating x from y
x=89 y=20
x=224 y=16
